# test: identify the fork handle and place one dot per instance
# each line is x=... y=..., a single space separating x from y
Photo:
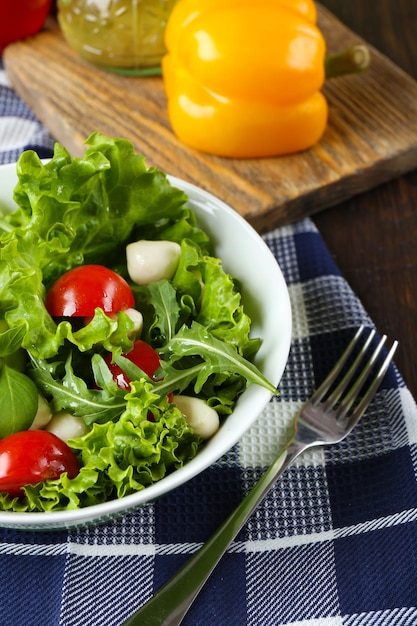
x=170 y=604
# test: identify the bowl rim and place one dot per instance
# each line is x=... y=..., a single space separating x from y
x=255 y=397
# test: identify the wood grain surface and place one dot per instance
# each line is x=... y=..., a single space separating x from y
x=371 y=135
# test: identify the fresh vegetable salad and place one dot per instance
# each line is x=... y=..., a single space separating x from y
x=123 y=342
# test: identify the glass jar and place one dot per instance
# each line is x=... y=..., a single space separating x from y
x=117 y=35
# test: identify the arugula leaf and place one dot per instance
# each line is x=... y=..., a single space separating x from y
x=72 y=394
x=161 y=322
x=219 y=357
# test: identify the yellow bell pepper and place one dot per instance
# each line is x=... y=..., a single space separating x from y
x=243 y=77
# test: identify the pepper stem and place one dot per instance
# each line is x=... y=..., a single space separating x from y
x=350 y=61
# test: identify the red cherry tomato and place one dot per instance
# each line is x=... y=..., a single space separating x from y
x=142 y=355
x=32 y=456
x=21 y=19
x=83 y=289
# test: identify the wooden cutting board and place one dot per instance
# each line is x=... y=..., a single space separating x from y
x=371 y=135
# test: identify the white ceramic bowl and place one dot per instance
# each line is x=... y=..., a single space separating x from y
x=265 y=296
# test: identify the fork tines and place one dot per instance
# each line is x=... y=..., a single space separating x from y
x=334 y=397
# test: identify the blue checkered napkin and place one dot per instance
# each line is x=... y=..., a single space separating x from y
x=333 y=544
x=19 y=127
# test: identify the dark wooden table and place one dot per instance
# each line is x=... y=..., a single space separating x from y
x=373 y=237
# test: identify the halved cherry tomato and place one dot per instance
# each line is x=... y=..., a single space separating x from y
x=83 y=289
x=142 y=355
x=32 y=456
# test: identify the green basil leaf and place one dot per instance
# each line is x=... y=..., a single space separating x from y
x=18 y=401
x=11 y=340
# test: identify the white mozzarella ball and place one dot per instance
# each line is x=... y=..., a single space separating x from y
x=67 y=426
x=137 y=319
x=43 y=415
x=149 y=261
x=203 y=419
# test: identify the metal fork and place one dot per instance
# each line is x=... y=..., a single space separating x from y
x=326 y=418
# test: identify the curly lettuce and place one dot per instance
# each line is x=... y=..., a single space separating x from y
x=72 y=211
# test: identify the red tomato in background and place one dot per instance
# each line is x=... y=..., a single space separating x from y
x=83 y=289
x=142 y=355
x=32 y=456
x=21 y=18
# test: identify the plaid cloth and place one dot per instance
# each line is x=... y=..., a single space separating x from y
x=335 y=541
